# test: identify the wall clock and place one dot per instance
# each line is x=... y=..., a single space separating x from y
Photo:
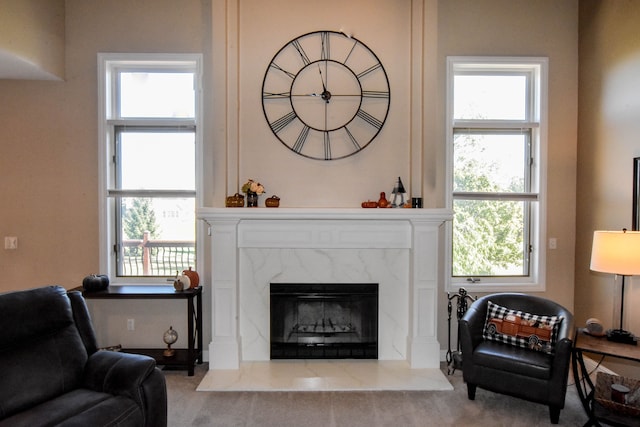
x=325 y=95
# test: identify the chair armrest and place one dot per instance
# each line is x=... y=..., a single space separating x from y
x=564 y=345
x=566 y=330
x=118 y=373
x=131 y=375
x=470 y=327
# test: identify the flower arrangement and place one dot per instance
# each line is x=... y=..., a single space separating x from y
x=252 y=186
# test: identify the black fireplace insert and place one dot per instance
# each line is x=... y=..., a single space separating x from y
x=324 y=321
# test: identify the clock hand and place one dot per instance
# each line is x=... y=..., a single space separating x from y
x=306 y=94
x=326 y=95
x=324 y=88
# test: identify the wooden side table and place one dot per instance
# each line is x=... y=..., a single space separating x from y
x=183 y=357
x=585 y=343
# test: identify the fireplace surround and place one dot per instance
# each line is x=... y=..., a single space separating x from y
x=400 y=249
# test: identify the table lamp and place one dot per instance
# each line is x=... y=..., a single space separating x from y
x=617 y=252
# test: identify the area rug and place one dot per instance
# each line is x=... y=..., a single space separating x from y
x=324 y=375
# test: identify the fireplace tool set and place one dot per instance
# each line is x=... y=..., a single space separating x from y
x=454 y=357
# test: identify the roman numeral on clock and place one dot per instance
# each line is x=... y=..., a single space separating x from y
x=325 y=52
x=369 y=119
x=352 y=138
x=375 y=94
x=303 y=54
x=281 y=123
x=279 y=68
x=369 y=70
x=327 y=146
x=272 y=95
x=301 y=139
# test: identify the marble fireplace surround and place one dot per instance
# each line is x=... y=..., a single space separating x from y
x=400 y=249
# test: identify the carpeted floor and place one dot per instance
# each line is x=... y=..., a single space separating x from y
x=188 y=407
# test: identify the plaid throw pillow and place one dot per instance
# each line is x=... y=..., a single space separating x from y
x=521 y=329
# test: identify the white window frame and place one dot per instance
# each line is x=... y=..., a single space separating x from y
x=537 y=122
x=108 y=121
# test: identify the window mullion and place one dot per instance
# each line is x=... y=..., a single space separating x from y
x=463 y=195
x=150 y=193
x=153 y=123
x=494 y=124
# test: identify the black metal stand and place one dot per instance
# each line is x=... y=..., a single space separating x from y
x=454 y=357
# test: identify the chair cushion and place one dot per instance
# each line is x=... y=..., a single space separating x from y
x=503 y=357
x=510 y=326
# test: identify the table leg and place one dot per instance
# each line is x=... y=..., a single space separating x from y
x=584 y=386
x=190 y=337
x=199 y=325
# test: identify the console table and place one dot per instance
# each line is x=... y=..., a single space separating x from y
x=183 y=357
x=597 y=413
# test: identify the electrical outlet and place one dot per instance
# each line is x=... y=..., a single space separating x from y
x=553 y=243
x=131 y=325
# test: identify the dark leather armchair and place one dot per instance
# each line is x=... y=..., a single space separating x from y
x=53 y=373
x=520 y=372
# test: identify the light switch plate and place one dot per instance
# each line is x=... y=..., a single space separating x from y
x=10 y=242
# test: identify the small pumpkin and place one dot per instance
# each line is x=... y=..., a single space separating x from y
x=95 y=282
x=193 y=276
x=181 y=282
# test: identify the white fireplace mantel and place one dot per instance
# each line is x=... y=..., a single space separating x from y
x=252 y=247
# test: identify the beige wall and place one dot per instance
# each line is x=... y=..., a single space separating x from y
x=48 y=130
x=306 y=182
x=609 y=126
x=49 y=156
x=526 y=28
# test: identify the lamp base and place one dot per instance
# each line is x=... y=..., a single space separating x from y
x=622 y=336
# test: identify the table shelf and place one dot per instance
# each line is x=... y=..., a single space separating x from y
x=180 y=358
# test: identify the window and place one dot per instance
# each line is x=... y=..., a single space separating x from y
x=496 y=155
x=149 y=137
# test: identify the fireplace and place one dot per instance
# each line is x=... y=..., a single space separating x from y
x=324 y=321
x=399 y=249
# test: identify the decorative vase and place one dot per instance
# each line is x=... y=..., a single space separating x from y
x=252 y=200
x=383 y=202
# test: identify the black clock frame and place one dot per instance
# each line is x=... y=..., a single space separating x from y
x=282 y=122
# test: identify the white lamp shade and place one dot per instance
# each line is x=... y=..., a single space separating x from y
x=616 y=252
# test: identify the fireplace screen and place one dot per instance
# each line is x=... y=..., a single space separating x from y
x=324 y=321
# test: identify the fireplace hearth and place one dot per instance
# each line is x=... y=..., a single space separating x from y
x=324 y=321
